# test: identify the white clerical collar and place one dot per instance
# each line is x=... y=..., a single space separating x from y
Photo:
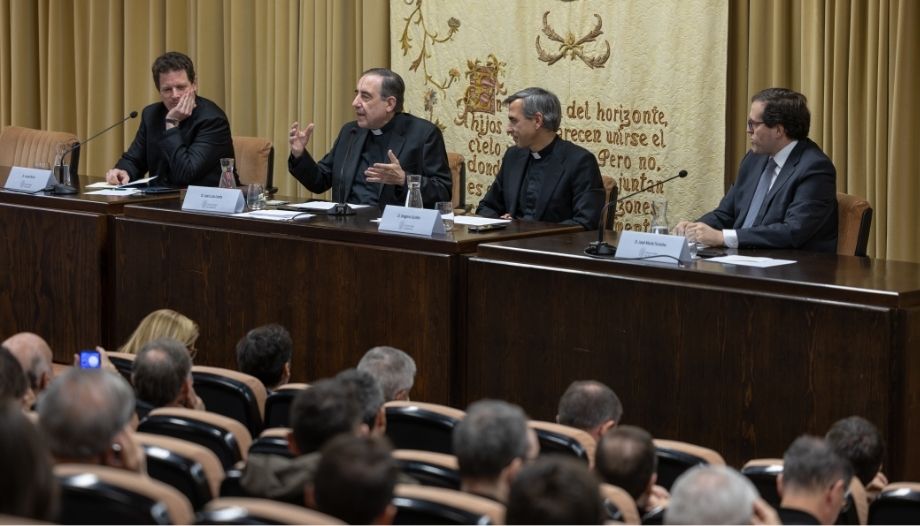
x=377 y=132
x=536 y=155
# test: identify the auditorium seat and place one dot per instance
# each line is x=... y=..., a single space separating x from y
x=431 y=505
x=27 y=147
x=418 y=425
x=898 y=503
x=272 y=441
x=102 y=495
x=675 y=457
x=254 y=160
x=122 y=361
x=191 y=468
x=278 y=404
x=226 y=437
x=762 y=472
x=854 y=218
x=240 y=510
x=557 y=438
x=428 y=468
x=231 y=393
x=619 y=505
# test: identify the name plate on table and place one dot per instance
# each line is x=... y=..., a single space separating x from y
x=418 y=221
x=653 y=247
x=214 y=200
x=29 y=179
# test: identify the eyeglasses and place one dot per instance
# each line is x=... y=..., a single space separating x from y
x=752 y=125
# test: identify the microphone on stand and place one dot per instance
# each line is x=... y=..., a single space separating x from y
x=602 y=248
x=342 y=209
x=63 y=188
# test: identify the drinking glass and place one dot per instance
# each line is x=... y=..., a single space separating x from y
x=446 y=209
x=255 y=196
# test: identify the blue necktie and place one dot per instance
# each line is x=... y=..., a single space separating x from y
x=760 y=193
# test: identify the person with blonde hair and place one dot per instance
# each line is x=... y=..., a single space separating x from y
x=163 y=323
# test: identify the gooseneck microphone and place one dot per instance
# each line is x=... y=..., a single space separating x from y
x=66 y=189
x=342 y=209
x=602 y=248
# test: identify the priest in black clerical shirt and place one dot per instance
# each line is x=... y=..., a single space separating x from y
x=543 y=177
x=373 y=154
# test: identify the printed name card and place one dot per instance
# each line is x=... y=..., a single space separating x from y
x=214 y=200
x=29 y=179
x=418 y=221
x=653 y=247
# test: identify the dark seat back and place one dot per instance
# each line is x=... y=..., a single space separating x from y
x=190 y=468
x=225 y=437
x=430 y=505
x=428 y=427
x=557 y=439
x=278 y=405
x=428 y=468
x=674 y=458
x=232 y=394
x=898 y=503
x=763 y=472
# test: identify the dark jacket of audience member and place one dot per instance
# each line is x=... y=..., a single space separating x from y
x=27 y=488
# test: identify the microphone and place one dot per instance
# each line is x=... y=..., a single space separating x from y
x=66 y=189
x=342 y=209
x=601 y=247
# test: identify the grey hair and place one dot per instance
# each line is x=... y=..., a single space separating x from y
x=711 y=495
x=393 y=369
x=491 y=435
x=82 y=411
x=539 y=100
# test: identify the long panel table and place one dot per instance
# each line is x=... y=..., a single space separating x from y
x=337 y=283
x=55 y=270
x=738 y=359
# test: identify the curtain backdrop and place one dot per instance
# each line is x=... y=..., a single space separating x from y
x=79 y=65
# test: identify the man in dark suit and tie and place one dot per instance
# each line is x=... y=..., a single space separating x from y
x=373 y=154
x=785 y=195
x=543 y=177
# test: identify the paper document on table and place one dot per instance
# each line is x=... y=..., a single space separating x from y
x=478 y=221
x=103 y=184
x=323 y=205
x=274 y=215
x=748 y=261
x=121 y=192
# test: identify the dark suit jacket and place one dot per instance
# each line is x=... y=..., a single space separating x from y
x=799 y=211
x=572 y=192
x=187 y=154
x=417 y=144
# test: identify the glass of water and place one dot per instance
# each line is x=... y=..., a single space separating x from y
x=255 y=196
x=446 y=209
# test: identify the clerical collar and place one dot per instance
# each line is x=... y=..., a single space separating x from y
x=386 y=127
x=548 y=150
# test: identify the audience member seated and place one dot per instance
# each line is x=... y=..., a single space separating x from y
x=555 y=490
x=318 y=414
x=265 y=352
x=590 y=406
x=369 y=396
x=857 y=440
x=87 y=416
x=163 y=323
x=355 y=479
x=393 y=369
x=711 y=494
x=27 y=486
x=14 y=385
x=626 y=458
x=813 y=484
x=162 y=377
x=34 y=356
x=491 y=445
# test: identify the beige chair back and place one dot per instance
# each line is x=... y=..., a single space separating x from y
x=240 y=434
x=26 y=146
x=854 y=218
x=255 y=159
x=623 y=502
x=210 y=465
x=253 y=383
x=453 y=498
x=584 y=439
x=268 y=511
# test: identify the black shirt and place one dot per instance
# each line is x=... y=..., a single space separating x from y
x=532 y=184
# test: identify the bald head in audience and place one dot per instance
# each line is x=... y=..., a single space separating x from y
x=626 y=457
x=393 y=369
x=713 y=495
x=590 y=406
x=34 y=355
x=162 y=374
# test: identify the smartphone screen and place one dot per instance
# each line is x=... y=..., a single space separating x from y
x=90 y=359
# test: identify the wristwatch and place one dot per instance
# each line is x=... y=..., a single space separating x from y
x=174 y=122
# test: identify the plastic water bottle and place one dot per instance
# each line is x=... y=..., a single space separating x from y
x=659 y=216
x=226 y=173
